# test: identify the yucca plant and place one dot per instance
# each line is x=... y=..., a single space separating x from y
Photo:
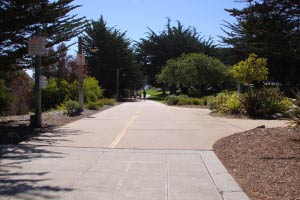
x=262 y=102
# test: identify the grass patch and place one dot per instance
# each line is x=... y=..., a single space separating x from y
x=156 y=95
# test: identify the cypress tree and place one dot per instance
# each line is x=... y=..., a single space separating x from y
x=20 y=20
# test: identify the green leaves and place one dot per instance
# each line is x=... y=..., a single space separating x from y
x=251 y=69
x=269 y=28
x=20 y=19
x=157 y=48
x=197 y=70
x=114 y=52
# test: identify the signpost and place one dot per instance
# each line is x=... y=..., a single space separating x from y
x=81 y=73
x=37 y=47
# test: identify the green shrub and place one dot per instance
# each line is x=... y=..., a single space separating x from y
x=209 y=100
x=99 y=103
x=294 y=111
x=262 y=102
x=226 y=102
x=6 y=97
x=212 y=104
x=93 y=105
x=196 y=102
x=183 y=100
x=285 y=104
x=233 y=104
x=109 y=102
x=92 y=90
x=58 y=91
x=172 y=100
x=73 y=107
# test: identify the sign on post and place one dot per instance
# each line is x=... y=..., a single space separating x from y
x=37 y=46
x=80 y=66
x=80 y=59
x=80 y=70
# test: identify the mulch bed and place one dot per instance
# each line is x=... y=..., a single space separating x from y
x=265 y=162
x=15 y=129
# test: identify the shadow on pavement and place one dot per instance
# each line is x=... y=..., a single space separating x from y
x=22 y=177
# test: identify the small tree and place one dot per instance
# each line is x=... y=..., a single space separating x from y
x=193 y=70
x=251 y=69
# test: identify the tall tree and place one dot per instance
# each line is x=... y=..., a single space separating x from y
x=20 y=20
x=271 y=29
x=114 y=52
x=154 y=50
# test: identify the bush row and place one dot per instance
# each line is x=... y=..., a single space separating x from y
x=99 y=103
x=257 y=103
x=58 y=91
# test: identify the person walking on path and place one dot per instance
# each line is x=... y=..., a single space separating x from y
x=144 y=94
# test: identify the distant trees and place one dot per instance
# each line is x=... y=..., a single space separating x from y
x=157 y=48
x=271 y=29
x=20 y=19
x=59 y=64
x=193 y=70
x=114 y=52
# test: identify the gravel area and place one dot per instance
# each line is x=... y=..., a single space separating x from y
x=14 y=129
x=265 y=162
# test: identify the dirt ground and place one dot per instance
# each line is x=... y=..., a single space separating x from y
x=265 y=162
x=14 y=129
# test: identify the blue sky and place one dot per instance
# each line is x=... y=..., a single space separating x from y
x=134 y=16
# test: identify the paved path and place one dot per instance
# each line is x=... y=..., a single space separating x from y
x=141 y=150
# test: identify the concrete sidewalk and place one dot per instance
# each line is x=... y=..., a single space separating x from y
x=71 y=173
x=141 y=150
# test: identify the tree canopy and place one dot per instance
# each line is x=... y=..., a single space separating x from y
x=269 y=28
x=114 y=52
x=154 y=50
x=193 y=70
x=251 y=69
x=53 y=18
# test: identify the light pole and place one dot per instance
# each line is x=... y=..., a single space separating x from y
x=81 y=71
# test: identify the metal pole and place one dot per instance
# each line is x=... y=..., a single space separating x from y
x=117 y=84
x=81 y=92
x=38 y=99
x=80 y=81
x=239 y=87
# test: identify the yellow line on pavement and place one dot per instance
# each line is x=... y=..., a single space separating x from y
x=123 y=131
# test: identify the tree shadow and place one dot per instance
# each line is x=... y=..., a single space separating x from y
x=14 y=133
x=19 y=179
